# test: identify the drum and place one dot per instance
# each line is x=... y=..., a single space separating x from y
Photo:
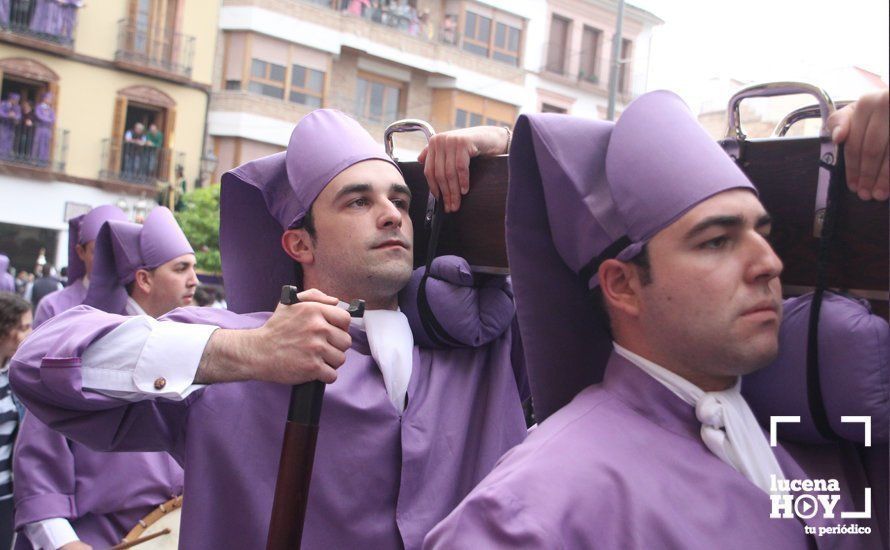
x=159 y=530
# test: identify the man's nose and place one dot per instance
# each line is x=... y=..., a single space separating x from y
x=765 y=264
x=391 y=215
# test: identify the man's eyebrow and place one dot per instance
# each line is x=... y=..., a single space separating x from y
x=353 y=188
x=726 y=222
x=401 y=188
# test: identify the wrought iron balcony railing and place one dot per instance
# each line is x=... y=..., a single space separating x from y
x=33 y=145
x=138 y=163
x=163 y=50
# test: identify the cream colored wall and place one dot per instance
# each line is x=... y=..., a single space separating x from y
x=97 y=28
x=200 y=18
x=97 y=31
x=85 y=107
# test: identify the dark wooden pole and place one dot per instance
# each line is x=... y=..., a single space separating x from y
x=297 y=452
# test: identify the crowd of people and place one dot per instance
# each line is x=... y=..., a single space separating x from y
x=643 y=287
x=26 y=131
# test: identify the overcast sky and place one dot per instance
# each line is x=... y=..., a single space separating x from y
x=763 y=40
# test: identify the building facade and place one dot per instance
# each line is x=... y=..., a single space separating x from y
x=453 y=63
x=103 y=102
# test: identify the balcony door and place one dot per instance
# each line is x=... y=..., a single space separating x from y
x=153 y=28
x=138 y=155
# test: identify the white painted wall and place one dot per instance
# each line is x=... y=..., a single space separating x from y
x=42 y=204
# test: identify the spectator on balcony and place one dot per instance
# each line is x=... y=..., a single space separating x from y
x=356 y=7
x=154 y=137
x=68 y=17
x=4 y=13
x=135 y=141
x=449 y=29
x=10 y=119
x=43 y=17
x=44 y=120
x=24 y=133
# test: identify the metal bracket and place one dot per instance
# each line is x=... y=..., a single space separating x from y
x=733 y=142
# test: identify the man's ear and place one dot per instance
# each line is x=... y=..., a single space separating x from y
x=620 y=284
x=298 y=245
x=81 y=250
x=143 y=281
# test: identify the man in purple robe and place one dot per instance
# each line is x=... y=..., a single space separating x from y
x=7 y=282
x=651 y=249
x=44 y=121
x=66 y=494
x=82 y=233
x=68 y=18
x=10 y=118
x=406 y=430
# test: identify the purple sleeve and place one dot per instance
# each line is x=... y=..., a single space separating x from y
x=43 y=313
x=490 y=518
x=45 y=374
x=43 y=468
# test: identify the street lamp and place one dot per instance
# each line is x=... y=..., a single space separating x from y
x=208 y=167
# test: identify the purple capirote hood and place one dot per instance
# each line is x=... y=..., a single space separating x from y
x=85 y=228
x=582 y=191
x=124 y=247
x=264 y=197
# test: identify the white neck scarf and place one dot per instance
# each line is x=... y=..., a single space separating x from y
x=742 y=445
x=392 y=347
x=133 y=308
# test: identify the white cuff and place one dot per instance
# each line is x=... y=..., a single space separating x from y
x=170 y=359
x=143 y=359
x=50 y=534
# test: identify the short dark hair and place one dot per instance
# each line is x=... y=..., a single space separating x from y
x=12 y=307
x=307 y=223
x=598 y=302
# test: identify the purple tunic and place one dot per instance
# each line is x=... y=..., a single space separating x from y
x=103 y=495
x=7 y=282
x=379 y=481
x=623 y=466
x=61 y=300
x=10 y=117
x=44 y=118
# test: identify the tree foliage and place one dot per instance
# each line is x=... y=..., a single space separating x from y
x=199 y=219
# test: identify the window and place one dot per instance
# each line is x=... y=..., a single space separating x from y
x=306 y=86
x=477 y=32
x=378 y=99
x=590 y=52
x=496 y=35
x=266 y=79
x=624 y=72
x=556 y=48
x=548 y=108
x=506 y=43
x=465 y=119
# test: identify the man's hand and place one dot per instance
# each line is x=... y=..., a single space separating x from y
x=446 y=160
x=864 y=128
x=76 y=545
x=299 y=343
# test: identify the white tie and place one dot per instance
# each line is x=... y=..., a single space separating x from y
x=742 y=445
x=392 y=347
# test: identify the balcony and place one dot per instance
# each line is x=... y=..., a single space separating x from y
x=137 y=163
x=160 y=53
x=42 y=24
x=33 y=146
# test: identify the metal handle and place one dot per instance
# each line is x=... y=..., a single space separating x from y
x=734 y=139
x=405 y=125
x=803 y=113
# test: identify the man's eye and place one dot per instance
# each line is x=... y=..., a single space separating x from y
x=401 y=203
x=715 y=243
x=358 y=203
